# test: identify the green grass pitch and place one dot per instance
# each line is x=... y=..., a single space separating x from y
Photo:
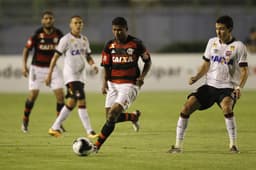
x=205 y=147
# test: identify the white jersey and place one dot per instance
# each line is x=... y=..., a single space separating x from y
x=74 y=51
x=225 y=59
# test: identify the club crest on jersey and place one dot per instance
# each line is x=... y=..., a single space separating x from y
x=130 y=51
x=232 y=48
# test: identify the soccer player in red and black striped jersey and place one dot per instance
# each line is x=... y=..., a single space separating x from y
x=43 y=42
x=122 y=77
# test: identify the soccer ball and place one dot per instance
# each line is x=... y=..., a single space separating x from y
x=82 y=146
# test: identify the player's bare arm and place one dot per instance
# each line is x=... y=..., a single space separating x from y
x=25 y=59
x=243 y=79
x=201 y=72
x=106 y=75
x=52 y=65
x=145 y=70
x=92 y=63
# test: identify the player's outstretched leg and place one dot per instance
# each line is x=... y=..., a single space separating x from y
x=106 y=130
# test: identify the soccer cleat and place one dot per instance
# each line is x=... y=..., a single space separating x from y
x=95 y=149
x=24 y=126
x=92 y=135
x=62 y=129
x=135 y=123
x=174 y=149
x=234 y=149
x=55 y=133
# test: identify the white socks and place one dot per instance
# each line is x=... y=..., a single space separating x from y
x=231 y=128
x=84 y=117
x=180 y=131
x=62 y=116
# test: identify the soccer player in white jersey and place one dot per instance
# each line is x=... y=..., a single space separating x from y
x=225 y=69
x=75 y=48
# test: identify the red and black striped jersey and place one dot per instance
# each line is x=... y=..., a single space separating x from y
x=122 y=59
x=43 y=45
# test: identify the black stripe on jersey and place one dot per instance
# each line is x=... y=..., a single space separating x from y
x=40 y=64
x=243 y=64
x=124 y=77
x=124 y=66
x=206 y=59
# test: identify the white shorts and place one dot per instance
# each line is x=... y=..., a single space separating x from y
x=123 y=94
x=37 y=76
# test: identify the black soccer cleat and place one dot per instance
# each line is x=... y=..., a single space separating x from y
x=24 y=125
x=234 y=149
x=174 y=149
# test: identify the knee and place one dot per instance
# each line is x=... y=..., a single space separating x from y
x=113 y=113
x=226 y=109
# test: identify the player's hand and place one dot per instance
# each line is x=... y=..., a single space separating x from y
x=48 y=80
x=104 y=88
x=139 y=81
x=237 y=92
x=192 y=80
x=95 y=68
x=25 y=71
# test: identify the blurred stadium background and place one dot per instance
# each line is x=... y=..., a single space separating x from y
x=167 y=27
x=164 y=25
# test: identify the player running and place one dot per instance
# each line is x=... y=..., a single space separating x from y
x=225 y=69
x=122 y=77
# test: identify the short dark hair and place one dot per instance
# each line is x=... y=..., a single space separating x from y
x=226 y=20
x=120 y=21
x=47 y=13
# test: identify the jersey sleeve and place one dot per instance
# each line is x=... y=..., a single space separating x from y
x=143 y=52
x=88 y=49
x=63 y=45
x=106 y=56
x=30 y=42
x=242 y=54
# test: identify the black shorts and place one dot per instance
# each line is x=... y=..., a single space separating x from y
x=208 y=95
x=75 y=90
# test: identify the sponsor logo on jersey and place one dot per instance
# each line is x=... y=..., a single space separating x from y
x=105 y=58
x=47 y=46
x=29 y=42
x=42 y=41
x=122 y=59
x=77 y=52
x=113 y=51
x=222 y=60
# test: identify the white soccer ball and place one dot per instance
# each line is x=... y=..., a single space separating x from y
x=82 y=146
